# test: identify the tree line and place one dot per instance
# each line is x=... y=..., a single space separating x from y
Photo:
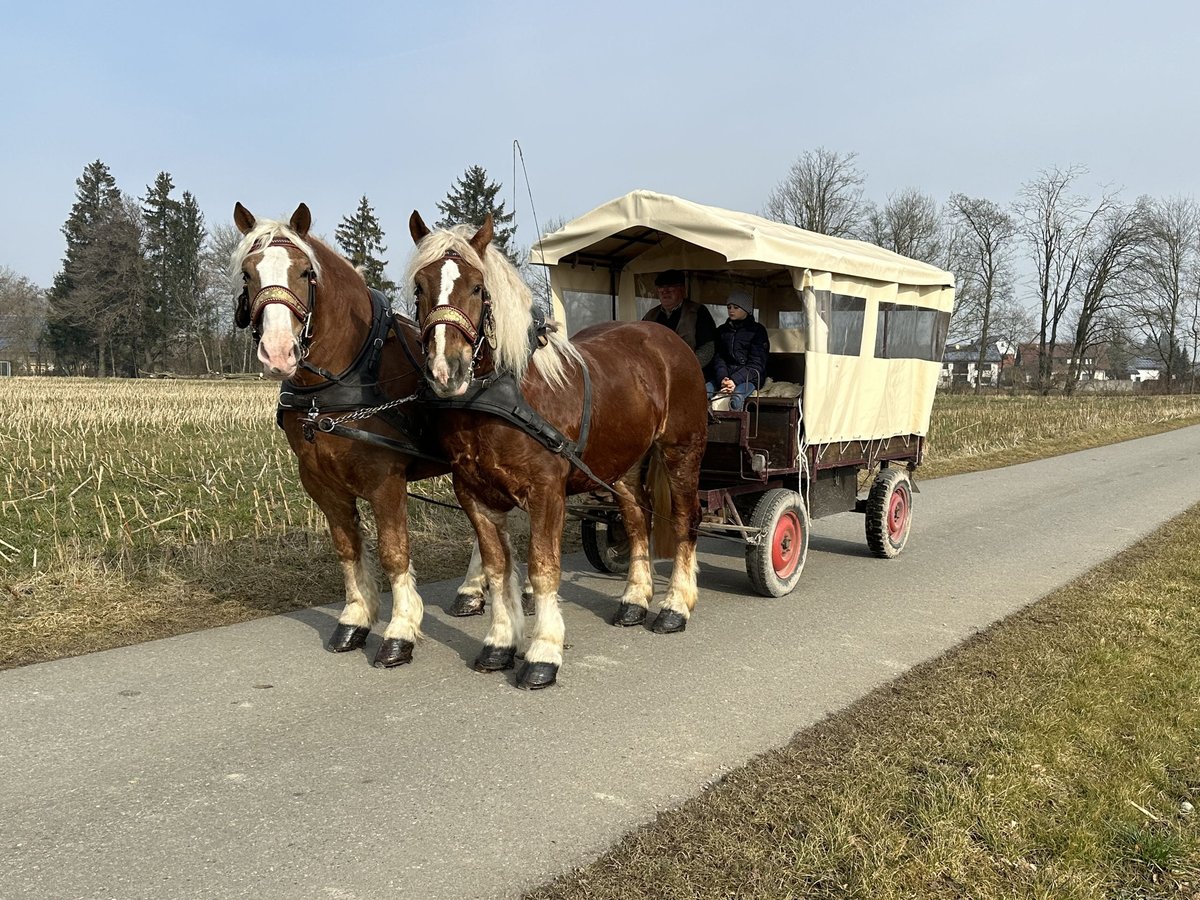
x=143 y=286
x=1103 y=271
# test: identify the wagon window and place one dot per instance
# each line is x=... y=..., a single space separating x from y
x=792 y=318
x=843 y=317
x=910 y=332
x=584 y=309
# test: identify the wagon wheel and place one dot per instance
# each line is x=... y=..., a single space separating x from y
x=606 y=545
x=889 y=513
x=774 y=564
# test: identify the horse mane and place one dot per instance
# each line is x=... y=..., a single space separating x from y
x=512 y=304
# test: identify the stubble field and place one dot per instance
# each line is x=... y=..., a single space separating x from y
x=138 y=509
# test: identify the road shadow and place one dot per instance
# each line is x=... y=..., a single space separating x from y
x=838 y=546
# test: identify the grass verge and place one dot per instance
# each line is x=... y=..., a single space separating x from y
x=1055 y=755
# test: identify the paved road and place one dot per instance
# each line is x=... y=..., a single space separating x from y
x=246 y=761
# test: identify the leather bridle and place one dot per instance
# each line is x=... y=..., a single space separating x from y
x=249 y=311
x=476 y=334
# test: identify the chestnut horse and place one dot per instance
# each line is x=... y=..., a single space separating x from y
x=647 y=404
x=316 y=325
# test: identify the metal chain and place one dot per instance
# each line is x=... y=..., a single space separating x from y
x=358 y=414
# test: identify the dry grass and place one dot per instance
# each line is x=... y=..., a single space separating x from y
x=967 y=433
x=1054 y=756
x=140 y=509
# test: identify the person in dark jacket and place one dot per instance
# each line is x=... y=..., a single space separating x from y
x=690 y=320
x=740 y=365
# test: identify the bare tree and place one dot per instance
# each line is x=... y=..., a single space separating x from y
x=1010 y=326
x=822 y=192
x=983 y=262
x=1057 y=224
x=22 y=320
x=1110 y=255
x=910 y=224
x=1168 y=273
x=234 y=348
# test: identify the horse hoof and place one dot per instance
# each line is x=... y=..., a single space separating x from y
x=347 y=637
x=629 y=614
x=393 y=652
x=467 y=605
x=495 y=659
x=535 y=676
x=669 y=622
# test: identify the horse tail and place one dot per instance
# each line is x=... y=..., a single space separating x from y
x=662 y=532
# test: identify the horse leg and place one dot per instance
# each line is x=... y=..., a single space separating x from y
x=390 y=503
x=682 y=469
x=500 y=646
x=544 y=656
x=362 y=591
x=469 y=601
x=639 y=583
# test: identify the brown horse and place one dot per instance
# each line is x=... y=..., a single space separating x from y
x=318 y=326
x=647 y=401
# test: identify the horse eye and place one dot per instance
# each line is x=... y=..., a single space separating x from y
x=245 y=276
x=478 y=289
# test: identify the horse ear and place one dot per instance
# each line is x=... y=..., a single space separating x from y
x=417 y=227
x=483 y=236
x=242 y=218
x=301 y=220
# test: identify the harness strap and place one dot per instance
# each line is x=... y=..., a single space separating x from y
x=501 y=396
x=400 y=445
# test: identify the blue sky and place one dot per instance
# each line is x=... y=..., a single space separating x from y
x=273 y=104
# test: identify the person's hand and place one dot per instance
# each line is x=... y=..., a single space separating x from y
x=727 y=386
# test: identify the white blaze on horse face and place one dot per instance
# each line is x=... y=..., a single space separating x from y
x=439 y=367
x=277 y=348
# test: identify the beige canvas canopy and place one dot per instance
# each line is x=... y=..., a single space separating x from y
x=870 y=323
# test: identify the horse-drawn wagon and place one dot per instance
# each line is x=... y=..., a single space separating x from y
x=856 y=338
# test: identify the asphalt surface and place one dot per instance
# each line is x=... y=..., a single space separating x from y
x=248 y=762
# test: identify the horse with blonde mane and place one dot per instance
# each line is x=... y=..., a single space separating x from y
x=340 y=350
x=603 y=406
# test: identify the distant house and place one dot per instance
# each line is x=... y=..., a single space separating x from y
x=960 y=365
x=1142 y=369
x=1093 y=365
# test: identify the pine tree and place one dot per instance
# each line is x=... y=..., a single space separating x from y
x=361 y=239
x=173 y=241
x=160 y=213
x=72 y=341
x=109 y=288
x=470 y=200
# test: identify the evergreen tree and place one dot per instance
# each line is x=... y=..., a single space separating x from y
x=361 y=239
x=71 y=341
x=470 y=200
x=109 y=288
x=160 y=213
x=173 y=238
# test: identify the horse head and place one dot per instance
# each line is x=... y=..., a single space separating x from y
x=279 y=272
x=454 y=307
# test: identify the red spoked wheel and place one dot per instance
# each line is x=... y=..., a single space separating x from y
x=774 y=563
x=889 y=513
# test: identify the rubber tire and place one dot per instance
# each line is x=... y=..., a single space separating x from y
x=602 y=551
x=775 y=564
x=889 y=513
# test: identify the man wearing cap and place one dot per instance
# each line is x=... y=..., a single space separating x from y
x=740 y=365
x=687 y=318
